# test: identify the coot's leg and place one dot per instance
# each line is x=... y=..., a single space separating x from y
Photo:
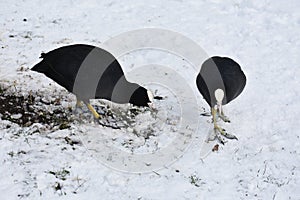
x=92 y=109
x=218 y=129
x=223 y=116
x=79 y=103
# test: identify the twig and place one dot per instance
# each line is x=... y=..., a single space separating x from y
x=109 y=126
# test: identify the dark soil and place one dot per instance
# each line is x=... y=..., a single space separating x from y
x=26 y=110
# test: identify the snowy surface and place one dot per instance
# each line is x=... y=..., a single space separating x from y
x=263 y=36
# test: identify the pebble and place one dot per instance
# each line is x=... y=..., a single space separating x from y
x=16 y=116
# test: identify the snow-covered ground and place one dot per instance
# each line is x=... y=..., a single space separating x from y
x=263 y=36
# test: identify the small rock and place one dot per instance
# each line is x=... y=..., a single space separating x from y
x=16 y=116
x=215 y=148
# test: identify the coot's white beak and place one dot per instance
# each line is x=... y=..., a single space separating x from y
x=219 y=94
x=151 y=98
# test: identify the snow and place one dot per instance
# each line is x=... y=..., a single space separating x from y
x=262 y=36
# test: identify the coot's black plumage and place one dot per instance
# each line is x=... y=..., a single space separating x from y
x=91 y=73
x=220 y=80
x=224 y=73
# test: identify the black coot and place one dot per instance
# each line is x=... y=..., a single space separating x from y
x=90 y=72
x=220 y=80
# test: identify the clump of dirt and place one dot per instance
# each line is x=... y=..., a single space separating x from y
x=118 y=118
x=26 y=109
x=29 y=109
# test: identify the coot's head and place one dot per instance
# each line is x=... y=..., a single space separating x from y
x=142 y=97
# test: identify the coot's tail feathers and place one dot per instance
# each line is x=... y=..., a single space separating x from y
x=41 y=67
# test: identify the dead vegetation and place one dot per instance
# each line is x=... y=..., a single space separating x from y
x=26 y=110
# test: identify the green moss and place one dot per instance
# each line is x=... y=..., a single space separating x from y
x=194 y=180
